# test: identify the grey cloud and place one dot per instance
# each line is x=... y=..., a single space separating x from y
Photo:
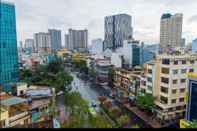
x=193 y=19
x=39 y=15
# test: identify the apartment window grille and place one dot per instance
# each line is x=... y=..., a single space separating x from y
x=166 y=61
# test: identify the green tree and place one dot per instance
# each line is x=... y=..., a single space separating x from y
x=99 y=121
x=75 y=102
x=115 y=112
x=124 y=119
x=145 y=102
x=193 y=124
x=55 y=66
x=135 y=126
x=62 y=81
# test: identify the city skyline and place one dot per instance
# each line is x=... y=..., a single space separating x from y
x=88 y=14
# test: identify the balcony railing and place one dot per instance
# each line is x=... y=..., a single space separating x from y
x=18 y=116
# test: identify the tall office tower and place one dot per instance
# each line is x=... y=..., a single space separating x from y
x=36 y=42
x=29 y=43
x=67 y=44
x=9 y=68
x=117 y=29
x=191 y=114
x=131 y=53
x=78 y=39
x=56 y=39
x=171 y=30
x=21 y=44
x=43 y=42
x=183 y=41
x=194 y=46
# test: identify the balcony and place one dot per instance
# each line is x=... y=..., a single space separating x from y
x=18 y=116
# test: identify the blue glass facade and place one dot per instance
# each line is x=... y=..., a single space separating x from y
x=194 y=46
x=9 y=69
x=192 y=103
x=147 y=56
x=136 y=55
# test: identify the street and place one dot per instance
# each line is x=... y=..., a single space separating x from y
x=88 y=92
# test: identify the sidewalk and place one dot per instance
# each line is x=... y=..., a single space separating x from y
x=143 y=115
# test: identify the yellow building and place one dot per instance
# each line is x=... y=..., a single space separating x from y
x=127 y=81
x=184 y=123
x=62 y=53
x=4 y=118
x=79 y=57
x=15 y=111
x=166 y=79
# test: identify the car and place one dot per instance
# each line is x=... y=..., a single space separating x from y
x=94 y=105
x=60 y=93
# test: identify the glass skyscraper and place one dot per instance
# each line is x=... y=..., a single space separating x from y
x=9 y=68
x=117 y=29
x=191 y=113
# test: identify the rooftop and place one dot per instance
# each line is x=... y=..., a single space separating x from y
x=21 y=84
x=166 y=15
x=12 y=101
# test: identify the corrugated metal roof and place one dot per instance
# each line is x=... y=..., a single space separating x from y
x=12 y=101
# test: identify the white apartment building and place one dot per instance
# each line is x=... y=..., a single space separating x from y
x=96 y=47
x=166 y=79
x=171 y=30
x=43 y=41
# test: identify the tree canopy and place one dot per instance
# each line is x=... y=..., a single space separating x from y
x=193 y=124
x=145 y=101
x=52 y=74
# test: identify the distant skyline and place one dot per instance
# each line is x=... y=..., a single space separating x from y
x=39 y=15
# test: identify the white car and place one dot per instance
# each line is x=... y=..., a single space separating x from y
x=60 y=93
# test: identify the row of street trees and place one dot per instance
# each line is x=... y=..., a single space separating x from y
x=52 y=75
x=80 y=116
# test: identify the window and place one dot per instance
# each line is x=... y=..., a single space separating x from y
x=175 y=82
x=183 y=80
x=149 y=79
x=174 y=91
x=166 y=61
x=183 y=62
x=164 y=100
x=176 y=62
x=149 y=71
x=192 y=62
x=149 y=88
x=181 y=100
x=173 y=101
x=170 y=109
x=180 y=107
x=191 y=70
x=182 y=90
x=175 y=72
x=183 y=71
x=164 y=80
x=165 y=70
x=164 y=89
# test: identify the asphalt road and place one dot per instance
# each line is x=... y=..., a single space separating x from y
x=88 y=91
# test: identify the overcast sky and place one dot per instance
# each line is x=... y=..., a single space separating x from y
x=39 y=15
